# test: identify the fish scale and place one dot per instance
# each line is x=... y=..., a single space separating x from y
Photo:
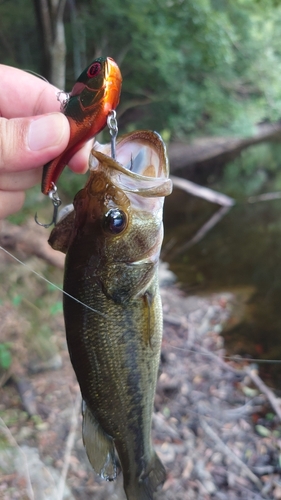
x=108 y=382
x=112 y=245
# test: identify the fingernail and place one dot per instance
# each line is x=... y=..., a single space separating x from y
x=46 y=131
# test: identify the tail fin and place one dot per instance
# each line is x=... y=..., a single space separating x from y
x=152 y=479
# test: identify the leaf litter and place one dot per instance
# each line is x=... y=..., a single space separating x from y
x=215 y=427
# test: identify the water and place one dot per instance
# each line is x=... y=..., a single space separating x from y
x=242 y=254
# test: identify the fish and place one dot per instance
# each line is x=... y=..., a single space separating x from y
x=95 y=93
x=112 y=305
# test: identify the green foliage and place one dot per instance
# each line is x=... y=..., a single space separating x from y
x=263 y=431
x=257 y=168
x=5 y=356
x=56 y=308
x=19 y=41
x=33 y=317
x=70 y=184
x=41 y=340
x=33 y=204
x=196 y=67
x=210 y=66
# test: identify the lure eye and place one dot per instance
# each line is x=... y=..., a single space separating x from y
x=115 y=221
x=94 y=69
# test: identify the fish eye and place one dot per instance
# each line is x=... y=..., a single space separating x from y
x=94 y=69
x=115 y=221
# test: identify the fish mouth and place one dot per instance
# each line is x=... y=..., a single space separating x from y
x=141 y=164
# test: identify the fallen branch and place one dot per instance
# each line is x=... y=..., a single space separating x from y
x=27 y=394
x=265 y=197
x=219 y=361
x=265 y=390
x=203 y=192
x=205 y=155
x=203 y=230
x=229 y=453
x=10 y=438
x=69 y=447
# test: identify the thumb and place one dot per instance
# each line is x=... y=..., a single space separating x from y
x=27 y=143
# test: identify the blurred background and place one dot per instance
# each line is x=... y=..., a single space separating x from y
x=189 y=68
x=207 y=76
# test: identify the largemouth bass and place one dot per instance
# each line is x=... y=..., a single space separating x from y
x=95 y=93
x=112 y=241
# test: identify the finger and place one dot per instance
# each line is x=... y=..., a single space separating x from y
x=79 y=163
x=10 y=202
x=23 y=94
x=19 y=181
x=27 y=143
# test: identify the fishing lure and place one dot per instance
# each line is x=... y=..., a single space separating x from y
x=95 y=93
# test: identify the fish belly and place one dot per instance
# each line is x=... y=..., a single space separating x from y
x=115 y=350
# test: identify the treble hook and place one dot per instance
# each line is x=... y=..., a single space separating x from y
x=113 y=130
x=56 y=204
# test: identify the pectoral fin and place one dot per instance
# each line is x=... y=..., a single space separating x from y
x=126 y=281
x=99 y=447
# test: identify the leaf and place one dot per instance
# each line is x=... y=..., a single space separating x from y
x=56 y=308
x=5 y=357
x=270 y=416
x=263 y=431
x=249 y=392
x=166 y=412
x=16 y=300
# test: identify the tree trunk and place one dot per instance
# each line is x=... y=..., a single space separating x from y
x=49 y=14
x=79 y=40
x=207 y=156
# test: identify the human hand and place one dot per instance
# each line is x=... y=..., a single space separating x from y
x=32 y=132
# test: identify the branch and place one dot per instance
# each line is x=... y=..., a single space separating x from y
x=229 y=453
x=69 y=446
x=203 y=192
x=202 y=154
x=10 y=438
x=203 y=230
x=265 y=197
x=266 y=391
x=206 y=194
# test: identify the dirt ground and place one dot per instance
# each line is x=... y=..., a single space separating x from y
x=215 y=427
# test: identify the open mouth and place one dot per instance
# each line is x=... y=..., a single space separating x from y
x=141 y=164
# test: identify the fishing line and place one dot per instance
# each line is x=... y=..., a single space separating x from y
x=197 y=413
x=229 y=358
x=53 y=284
x=195 y=351
x=31 y=72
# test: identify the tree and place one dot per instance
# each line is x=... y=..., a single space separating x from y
x=49 y=14
x=189 y=68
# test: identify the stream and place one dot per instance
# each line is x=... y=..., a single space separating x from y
x=241 y=254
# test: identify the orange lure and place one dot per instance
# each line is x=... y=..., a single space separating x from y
x=95 y=93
